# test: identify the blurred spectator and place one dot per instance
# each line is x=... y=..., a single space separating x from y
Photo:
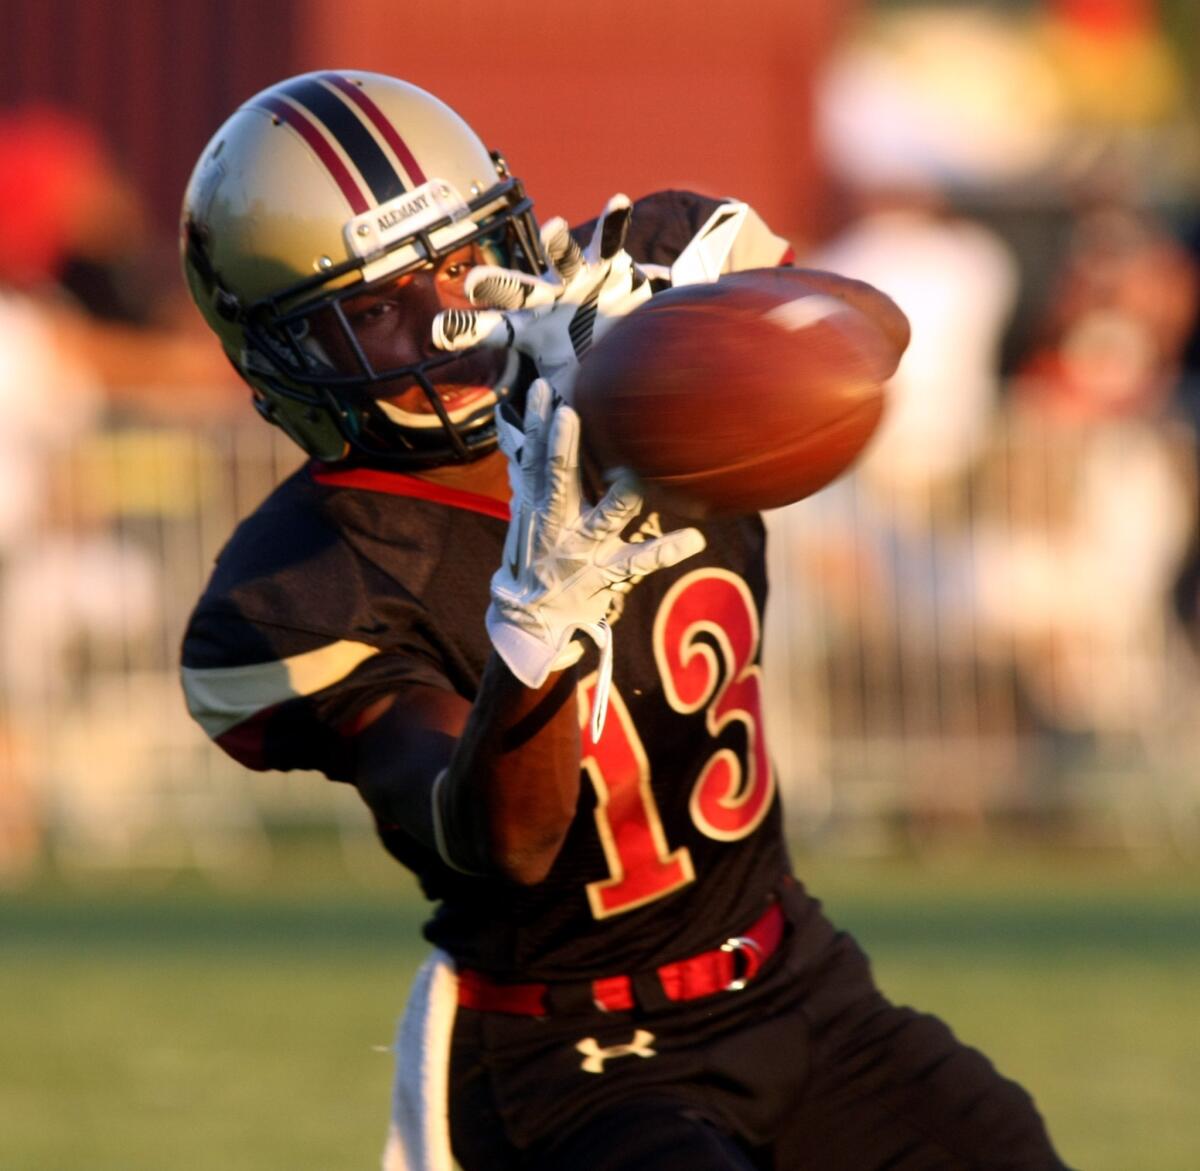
x=75 y=240
x=906 y=123
x=912 y=511
x=957 y=282
x=911 y=111
x=1113 y=337
x=1099 y=481
x=48 y=399
x=1001 y=564
x=1187 y=587
x=920 y=106
x=1075 y=564
x=91 y=331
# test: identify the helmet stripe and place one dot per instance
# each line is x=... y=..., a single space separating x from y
x=351 y=135
x=321 y=148
x=380 y=121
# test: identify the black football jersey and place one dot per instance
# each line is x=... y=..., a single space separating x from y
x=349 y=584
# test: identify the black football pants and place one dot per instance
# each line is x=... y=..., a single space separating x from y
x=809 y=1068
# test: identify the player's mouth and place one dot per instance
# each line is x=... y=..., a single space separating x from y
x=467 y=387
x=413 y=408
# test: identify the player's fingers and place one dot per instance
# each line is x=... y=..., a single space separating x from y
x=561 y=249
x=510 y=436
x=523 y=474
x=609 y=236
x=491 y=287
x=539 y=407
x=461 y=329
x=661 y=553
x=539 y=420
x=619 y=505
x=562 y=499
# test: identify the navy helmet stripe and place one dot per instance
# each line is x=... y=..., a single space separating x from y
x=354 y=138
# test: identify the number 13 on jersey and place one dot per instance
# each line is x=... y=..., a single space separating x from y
x=706 y=637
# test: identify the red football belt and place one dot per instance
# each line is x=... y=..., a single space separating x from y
x=726 y=968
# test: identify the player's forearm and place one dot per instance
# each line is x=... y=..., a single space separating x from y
x=509 y=794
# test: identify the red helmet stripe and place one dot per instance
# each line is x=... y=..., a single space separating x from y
x=380 y=121
x=322 y=149
x=360 y=145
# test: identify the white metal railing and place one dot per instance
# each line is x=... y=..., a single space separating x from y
x=1002 y=645
x=936 y=654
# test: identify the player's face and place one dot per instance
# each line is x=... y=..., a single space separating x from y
x=392 y=326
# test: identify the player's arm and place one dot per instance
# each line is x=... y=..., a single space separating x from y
x=491 y=786
x=509 y=763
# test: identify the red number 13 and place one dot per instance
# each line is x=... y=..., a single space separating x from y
x=716 y=672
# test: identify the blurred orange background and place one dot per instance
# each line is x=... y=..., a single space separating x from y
x=579 y=96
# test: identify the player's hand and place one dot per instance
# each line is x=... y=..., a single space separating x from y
x=563 y=559
x=554 y=318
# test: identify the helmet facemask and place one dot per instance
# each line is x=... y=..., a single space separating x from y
x=310 y=363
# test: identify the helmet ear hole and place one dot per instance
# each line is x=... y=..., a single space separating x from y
x=227 y=305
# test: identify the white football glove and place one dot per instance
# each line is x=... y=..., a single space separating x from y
x=564 y=560
x=556 y=317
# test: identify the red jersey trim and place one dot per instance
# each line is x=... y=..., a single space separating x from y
x=400 y=484
x=246 y=742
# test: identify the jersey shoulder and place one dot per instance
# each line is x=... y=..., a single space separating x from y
x=320 y=562
x=319 y=604
x=664 y=222
x=271 y=576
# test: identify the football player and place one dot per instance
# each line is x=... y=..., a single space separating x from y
x=546 y=690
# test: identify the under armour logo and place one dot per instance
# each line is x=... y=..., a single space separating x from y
x=594 y=1056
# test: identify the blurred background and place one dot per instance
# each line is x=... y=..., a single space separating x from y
x=982 y=651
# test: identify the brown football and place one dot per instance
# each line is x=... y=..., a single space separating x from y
x=745 y=394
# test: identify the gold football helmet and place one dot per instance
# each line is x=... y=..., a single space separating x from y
x=317 y=194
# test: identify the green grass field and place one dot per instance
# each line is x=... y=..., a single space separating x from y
x=178 y=1025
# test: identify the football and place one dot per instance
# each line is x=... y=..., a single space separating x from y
x=745 y=394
